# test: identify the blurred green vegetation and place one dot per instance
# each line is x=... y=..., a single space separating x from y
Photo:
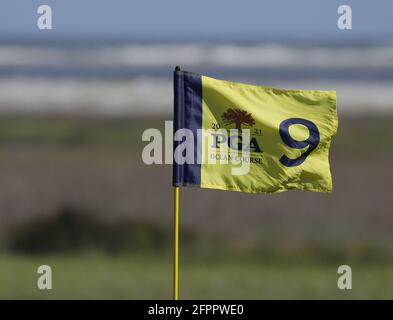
x=354 y=135
x=93 y=258
x=68 y=131
x=79 y=231
x=365 y=134
x=74 y=230
x=148 y=276
x=127 y=258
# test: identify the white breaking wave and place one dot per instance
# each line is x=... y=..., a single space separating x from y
x=153 y=96
x=141 y=96
x=191 y=55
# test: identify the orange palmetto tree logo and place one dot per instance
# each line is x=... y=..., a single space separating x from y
x=238 y=117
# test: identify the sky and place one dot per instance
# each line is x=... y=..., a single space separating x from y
x=228 y=19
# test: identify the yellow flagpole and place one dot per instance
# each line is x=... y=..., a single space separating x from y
x=176 y=246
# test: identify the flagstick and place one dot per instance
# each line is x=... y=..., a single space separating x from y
x=176 y=246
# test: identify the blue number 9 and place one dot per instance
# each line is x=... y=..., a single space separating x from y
x=312 y=141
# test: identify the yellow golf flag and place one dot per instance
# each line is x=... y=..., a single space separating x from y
x=287 y=145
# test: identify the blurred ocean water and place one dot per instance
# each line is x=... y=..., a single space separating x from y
x=136 y=78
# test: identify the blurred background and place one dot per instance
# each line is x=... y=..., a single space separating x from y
x=74 y=193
